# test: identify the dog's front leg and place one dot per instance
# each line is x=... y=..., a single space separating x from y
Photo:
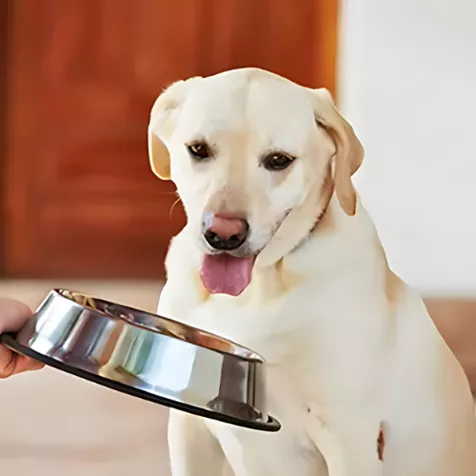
x=349 y=450
x=193 y=450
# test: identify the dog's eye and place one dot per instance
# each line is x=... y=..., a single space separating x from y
x=199 y=150
x=277 y=161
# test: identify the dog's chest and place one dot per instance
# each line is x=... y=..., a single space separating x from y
x=305 y=367
x=290 y=451
x=266 y=332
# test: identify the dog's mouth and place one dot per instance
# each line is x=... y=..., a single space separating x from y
x=230 y=272
x=226 y=274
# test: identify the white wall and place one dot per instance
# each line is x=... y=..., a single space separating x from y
x=408 y=85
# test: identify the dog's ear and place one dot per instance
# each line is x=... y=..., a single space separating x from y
x=349 y=151
x=161 y=125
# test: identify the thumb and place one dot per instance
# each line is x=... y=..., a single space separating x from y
x=13 y=315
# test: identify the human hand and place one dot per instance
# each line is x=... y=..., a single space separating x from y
x=13 y=315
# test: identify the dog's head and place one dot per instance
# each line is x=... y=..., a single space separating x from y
x=252 y=155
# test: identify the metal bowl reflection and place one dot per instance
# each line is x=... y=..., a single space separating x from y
x=147 y=356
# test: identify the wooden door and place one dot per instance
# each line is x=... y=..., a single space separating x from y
x=79 y=198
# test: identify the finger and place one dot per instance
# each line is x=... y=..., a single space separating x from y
x=7 y=362
x=13 y=315
x=26 y=364
x=12 y=363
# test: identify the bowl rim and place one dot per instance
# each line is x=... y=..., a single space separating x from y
x=271 y=425
x=245 y=353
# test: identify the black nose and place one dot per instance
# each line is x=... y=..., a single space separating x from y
x=226 y=233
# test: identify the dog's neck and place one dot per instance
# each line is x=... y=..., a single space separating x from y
x=333 y=245
x=298 y=225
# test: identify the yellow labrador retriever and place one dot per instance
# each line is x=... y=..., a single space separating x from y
x=279 y=255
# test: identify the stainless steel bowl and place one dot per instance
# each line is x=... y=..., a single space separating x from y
x=147 y=356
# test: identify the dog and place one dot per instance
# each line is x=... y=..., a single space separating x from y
x=279 y=255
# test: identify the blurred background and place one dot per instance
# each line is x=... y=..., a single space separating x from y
x=80 y=208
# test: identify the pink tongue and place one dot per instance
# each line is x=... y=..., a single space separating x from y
x=225 y=274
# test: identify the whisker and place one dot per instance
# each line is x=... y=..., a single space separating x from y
x=173 y=206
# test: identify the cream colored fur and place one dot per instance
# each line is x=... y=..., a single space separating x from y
x=350 y=347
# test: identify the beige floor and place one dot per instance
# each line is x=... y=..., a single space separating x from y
x=54 y=424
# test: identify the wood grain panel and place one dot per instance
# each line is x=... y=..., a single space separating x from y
x=82 y=76
x=122 y=168
x=4 y=35
x=298 y=42
x=78 y=120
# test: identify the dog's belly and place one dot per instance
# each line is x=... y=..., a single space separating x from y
x=251 y=453
x=288 y=452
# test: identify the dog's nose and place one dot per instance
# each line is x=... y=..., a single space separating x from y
x=225 y=232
